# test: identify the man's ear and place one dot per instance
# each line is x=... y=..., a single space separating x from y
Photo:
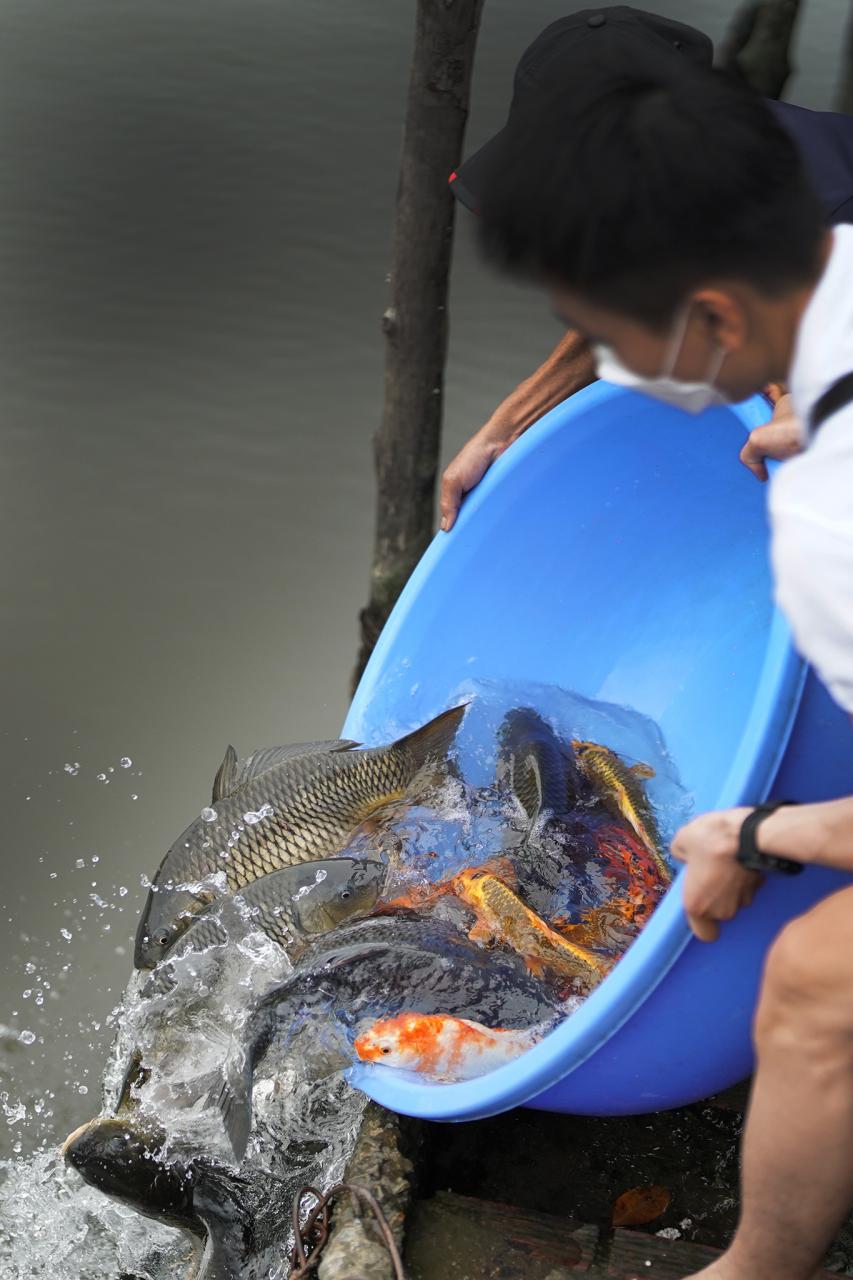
x=724 y=312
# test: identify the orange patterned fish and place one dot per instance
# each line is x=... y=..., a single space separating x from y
x=503 y=917
x=624 y=858
x=619 y=788
x=441 y=1046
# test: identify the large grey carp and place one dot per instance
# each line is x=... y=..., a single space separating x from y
x=301 y=808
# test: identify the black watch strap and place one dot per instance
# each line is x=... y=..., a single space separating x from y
x=748 y=853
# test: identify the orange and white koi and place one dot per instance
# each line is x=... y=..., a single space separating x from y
x=503 y=917
x=443 y=1047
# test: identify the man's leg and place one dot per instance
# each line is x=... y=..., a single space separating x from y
x=797 y=1177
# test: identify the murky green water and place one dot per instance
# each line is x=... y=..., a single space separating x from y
x=195 y=205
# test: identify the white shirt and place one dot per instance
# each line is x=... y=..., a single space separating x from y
x=811 y=496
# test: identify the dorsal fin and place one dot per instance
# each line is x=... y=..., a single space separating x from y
x=432 y=741
x=265 y=758
x=226 y=775
x=232 y=775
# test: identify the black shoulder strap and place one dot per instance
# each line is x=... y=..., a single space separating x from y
x=838 y=395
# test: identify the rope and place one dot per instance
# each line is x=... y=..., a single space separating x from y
x=310 y=1237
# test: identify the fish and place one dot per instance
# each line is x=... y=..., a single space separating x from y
x=443 y=1047
x=619 y=788
x=304 y=808
x=503 y=917
x=538 y=768
x=126 y=1160
x=629 y=867
x=380 y=964
x=297 y=902
x=231 y=774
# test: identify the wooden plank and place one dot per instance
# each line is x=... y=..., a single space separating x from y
x=459 y=1237
x=634 y=1255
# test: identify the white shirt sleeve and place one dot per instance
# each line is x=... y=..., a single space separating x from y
x=812 y=549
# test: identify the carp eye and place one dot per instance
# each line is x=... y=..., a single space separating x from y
x=162 y=938
x=345 y=893
x=385 y=1049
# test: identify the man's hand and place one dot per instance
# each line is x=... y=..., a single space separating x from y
x=780 y=438
x=715 y=886
x=465 y=472
x=569 y=367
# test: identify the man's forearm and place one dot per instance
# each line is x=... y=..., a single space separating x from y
x=818 y=833
x=569 y=367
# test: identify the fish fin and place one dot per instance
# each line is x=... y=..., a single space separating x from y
x=263 y=759
x=226 y=775
x=642 y=770
x=230 y=1093
x=534 y=966
x=235 y=1106
x=531 y=788
x=432 y=741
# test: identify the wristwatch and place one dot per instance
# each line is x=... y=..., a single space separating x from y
x=750 y=856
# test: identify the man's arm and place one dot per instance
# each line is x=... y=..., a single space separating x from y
x=716 y=886
x=569 y=367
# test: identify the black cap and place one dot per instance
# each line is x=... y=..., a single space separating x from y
x=559 y=46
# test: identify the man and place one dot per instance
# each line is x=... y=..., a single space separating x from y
x=825 y=141
x=670 y=218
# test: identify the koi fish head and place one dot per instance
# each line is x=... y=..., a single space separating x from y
x=411 y=1040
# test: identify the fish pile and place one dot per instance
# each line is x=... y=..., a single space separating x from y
x=294 y=927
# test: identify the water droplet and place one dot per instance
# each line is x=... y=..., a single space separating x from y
x=66 y=933
x=125 y=762
x=208 y=815
x=95 y=859
x=265 y=811
x=134 y=796
x=53 y=875
x=73 y=769
x=81 y=862
x=122 y=891
x=82 y=1088
x=111 y=769
x=39 y=1000
x=102 y=777
x=25 y=995
x=29 y=967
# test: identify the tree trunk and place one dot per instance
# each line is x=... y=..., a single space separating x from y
x=844 y=100
x=757 y=45
x=415 y=322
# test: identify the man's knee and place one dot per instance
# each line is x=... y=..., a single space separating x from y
x=808 y=975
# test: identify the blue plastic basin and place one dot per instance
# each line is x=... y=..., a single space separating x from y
x=620 y=550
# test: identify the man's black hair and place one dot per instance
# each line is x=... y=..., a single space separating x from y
x=633 y=180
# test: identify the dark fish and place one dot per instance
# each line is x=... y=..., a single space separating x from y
x=125 y=1159
x=379 y=967
x=538 y=768
x=553 y=845
x=304 y=808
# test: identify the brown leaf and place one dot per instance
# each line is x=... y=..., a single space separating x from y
x=640 y=1205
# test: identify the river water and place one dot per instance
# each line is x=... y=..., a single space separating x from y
x=195 y=209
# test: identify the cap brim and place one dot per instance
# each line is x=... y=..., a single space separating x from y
x=468 y=180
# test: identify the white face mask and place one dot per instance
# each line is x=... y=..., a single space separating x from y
x=690 y=396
